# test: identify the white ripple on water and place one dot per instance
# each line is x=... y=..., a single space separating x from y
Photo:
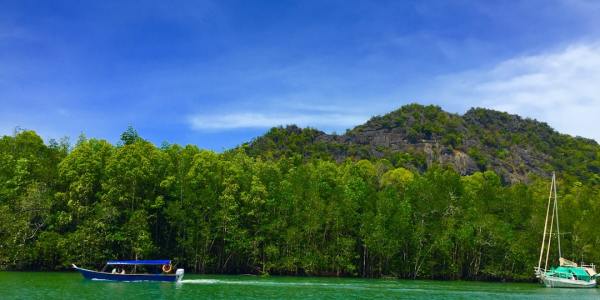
x=251 y=282
x=353 y=286
x=201 y=281
x=257 y=282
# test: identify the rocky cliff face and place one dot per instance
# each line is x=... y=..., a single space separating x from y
x=419 y=137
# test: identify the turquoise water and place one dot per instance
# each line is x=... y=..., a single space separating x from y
x=40 y=285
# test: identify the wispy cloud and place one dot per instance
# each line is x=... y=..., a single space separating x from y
x=561 y=87
x=266 y=120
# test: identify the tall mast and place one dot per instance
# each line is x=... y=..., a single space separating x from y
x=556 y=209
x=551 y=226
x=546 y=223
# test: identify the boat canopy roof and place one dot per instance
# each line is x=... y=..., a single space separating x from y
x=139 y=262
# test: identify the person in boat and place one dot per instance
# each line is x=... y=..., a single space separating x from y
x=114 y=271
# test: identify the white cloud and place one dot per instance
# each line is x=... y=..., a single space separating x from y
x=561 y=88
x=266 y=120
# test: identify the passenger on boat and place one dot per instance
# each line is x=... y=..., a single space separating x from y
x=114 y=271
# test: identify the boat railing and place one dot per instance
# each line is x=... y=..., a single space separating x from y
x=539 y=271
x=593 y=266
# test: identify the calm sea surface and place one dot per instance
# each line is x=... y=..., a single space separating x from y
x=39 y=285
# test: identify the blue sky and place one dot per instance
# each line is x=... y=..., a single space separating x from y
x=218 y=73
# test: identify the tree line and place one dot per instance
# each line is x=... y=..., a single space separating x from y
x=231 y=213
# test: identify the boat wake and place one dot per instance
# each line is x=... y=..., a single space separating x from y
x=256 y=282
x=201 y=281
x=272 y=283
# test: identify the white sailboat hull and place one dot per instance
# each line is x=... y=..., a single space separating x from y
x=556 y=282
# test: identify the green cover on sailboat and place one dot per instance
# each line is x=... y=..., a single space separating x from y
x=577 y=271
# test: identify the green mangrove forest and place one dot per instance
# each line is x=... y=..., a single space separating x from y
x=236 y=213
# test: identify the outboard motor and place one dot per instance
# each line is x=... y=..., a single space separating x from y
x=179 y=274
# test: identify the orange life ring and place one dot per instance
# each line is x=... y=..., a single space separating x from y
x=167 y=268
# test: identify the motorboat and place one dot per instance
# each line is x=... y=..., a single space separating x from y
x=134 y=270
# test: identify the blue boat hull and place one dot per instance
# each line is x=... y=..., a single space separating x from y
x=95 y=275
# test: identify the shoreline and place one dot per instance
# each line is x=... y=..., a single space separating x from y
x=305 y=276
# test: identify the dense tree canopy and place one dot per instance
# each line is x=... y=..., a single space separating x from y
x=417 y=137
x=290 y=214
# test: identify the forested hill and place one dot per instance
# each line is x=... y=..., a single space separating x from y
x=290 y=203
x=418 y=137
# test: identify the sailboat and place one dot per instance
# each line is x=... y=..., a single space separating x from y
x=568 y=274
